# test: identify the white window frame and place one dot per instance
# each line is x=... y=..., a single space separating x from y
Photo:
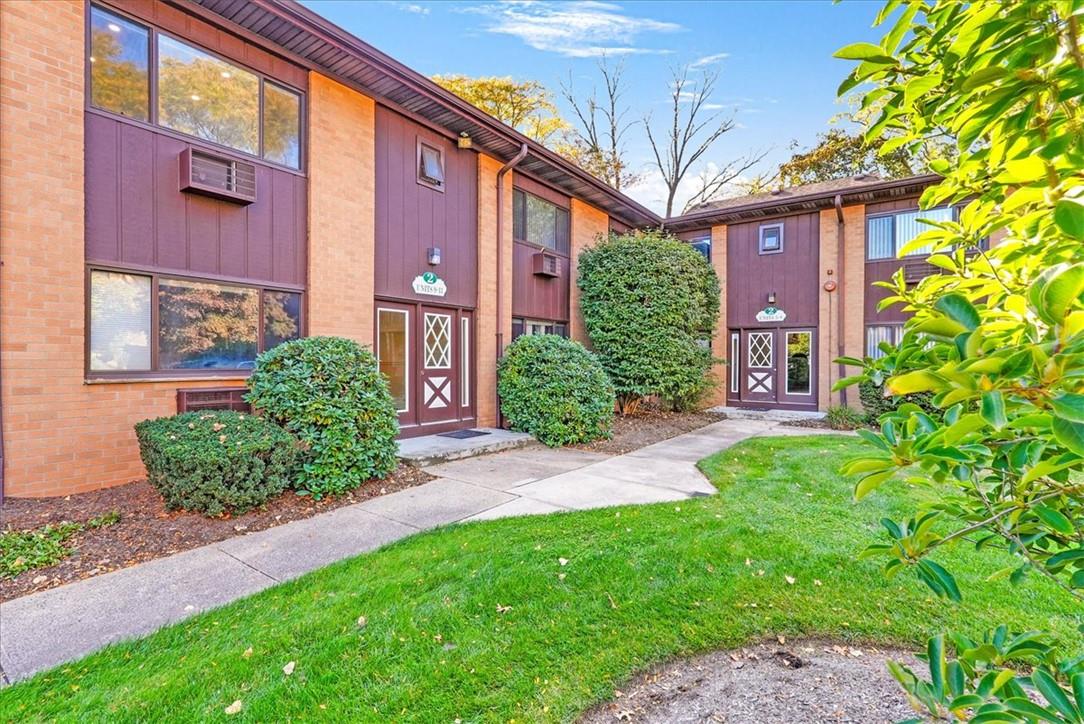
x=406 y=350
x=749 y=349
x=760 y=238
x=896 y=245
x=464 y=361
x=735 y=362
x=447 y=359
x=786 y=357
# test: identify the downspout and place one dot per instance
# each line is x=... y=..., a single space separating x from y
x=500 y=263
x=841 y=307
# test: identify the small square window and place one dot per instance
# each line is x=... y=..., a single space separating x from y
x=430 y=166
x=771 y=239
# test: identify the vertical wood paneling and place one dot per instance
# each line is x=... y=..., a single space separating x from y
x=792 y=274
x=538 y=297
x=136 y=213
x=410 y=217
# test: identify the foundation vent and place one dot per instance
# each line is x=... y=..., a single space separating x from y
x=547 y=265
x=212 y=398
x=218 y=176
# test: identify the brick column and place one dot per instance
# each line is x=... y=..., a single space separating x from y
x=720 y=346
x=851 y=288
x=588 y=223
x=342 y=208
x=486 y=315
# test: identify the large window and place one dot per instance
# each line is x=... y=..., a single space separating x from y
x=703 y=246
x=799 y=363
x=196 y=93
x=878 y=334
x=149 y=323
x=539 y=222
x=522 y=326
x=393 y=353
x=887 y=234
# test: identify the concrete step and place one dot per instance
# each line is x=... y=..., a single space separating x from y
x=768 y=414
x=435 y=449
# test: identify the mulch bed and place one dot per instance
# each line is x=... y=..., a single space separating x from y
x=798 y=682
x=147 y=530
x=650 y=425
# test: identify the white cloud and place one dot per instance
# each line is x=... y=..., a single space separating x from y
x=709 y=60
x=581 y=29
x=408 y=7
x=650 y=190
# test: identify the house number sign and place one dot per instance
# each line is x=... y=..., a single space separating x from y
x=429 y=284
x=771 y=314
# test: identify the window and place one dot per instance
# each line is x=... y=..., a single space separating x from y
x=119 y=52
x=887 y=234
x=735 y=361
x=521 y=327
x=151 y=323
x=882 y=333
x=205 y=97
x=799 y=363
x=393 y=353
x=195 y=93
x=703 y=246
x=430 y=166
x=539 y=222
x=464 y=361
x=281 y=125
x=771 y=239
x=120 y=322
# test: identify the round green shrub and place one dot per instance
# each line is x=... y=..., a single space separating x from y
x=329 y=392
x=556 y=390
x=216 y=461
x=650 y=304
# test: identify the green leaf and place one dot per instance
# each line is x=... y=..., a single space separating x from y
x=1055 y=520
x=1069 y=216
x=864 y=51
x=1054 y=694
x=959 y=309
x=993 y=409
x=1070 y=434
x=1069 y=406
x=917 y=381
x=870 y=483
x=1061 y=291
x=983 y=76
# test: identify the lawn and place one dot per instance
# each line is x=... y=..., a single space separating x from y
x=537 y=618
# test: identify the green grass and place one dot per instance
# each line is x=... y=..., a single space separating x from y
x=475 y=621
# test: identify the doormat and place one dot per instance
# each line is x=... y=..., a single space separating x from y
x=463 y=434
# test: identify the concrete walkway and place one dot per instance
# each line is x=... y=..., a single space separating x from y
x=48 y=628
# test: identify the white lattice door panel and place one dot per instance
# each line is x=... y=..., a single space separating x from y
x=439 y=368
x=438 y=341
x=437 y=392
x=760 y=371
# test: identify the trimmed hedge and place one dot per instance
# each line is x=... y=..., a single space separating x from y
x=556 y=390
x=329 y=392
x=649 y=303
x=876 y=404
x=217 y=461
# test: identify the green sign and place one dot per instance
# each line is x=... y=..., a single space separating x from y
x=429 y=284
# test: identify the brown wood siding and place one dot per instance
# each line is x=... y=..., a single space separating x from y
x=882 y=270
x=617 y=227
x=136 y=214
x=540 y=190
x=697 y=235
x=791 y=274
x=187 y=27
x=411 y=217
x=538 y=297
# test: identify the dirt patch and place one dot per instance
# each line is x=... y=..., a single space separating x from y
x=815 y=424
x=797 y=682
x=146 y=530
x=649 y=425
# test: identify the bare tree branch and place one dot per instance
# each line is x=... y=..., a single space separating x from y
x=713 y=184
x=598 y=140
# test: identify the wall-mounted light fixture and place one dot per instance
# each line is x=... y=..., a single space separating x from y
x=771 y=297
x=464 y=140
x=433 y=255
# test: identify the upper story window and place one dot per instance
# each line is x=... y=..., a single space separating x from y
x=196 y=93
x=703 y=246
x=887 y=234
x=430 y=166
x=539 y=222
x=119 y=52
x=771 y=239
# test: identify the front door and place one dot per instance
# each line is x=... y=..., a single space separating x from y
x=439 y=369
x=758 y=382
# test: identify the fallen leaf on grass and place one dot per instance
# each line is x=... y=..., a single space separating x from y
x=503 y=609
x=362 y=621
x=563 y=561
x=289 y=668
x=790 y=579
x=247 y=654
x=234 y=708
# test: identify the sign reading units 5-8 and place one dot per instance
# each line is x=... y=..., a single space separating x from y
x=429 y=284
x=771 y=314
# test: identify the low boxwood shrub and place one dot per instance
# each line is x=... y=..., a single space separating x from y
x=841 y=417
x=328 y=391
x=556 y=390
x=217 y=461
x=876 y=404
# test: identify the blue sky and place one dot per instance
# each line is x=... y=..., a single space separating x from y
x=777 y=76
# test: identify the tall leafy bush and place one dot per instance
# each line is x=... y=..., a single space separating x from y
x=329 y=392
x=650 y=304
x=997 y=340
x=556 y=390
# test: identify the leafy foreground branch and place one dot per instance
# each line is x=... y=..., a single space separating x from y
x=997 y=337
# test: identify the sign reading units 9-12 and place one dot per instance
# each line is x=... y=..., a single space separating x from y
x=430 y=284
x=771 y=314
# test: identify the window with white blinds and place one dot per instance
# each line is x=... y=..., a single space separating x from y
x=887 y=234
x=878 y=333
